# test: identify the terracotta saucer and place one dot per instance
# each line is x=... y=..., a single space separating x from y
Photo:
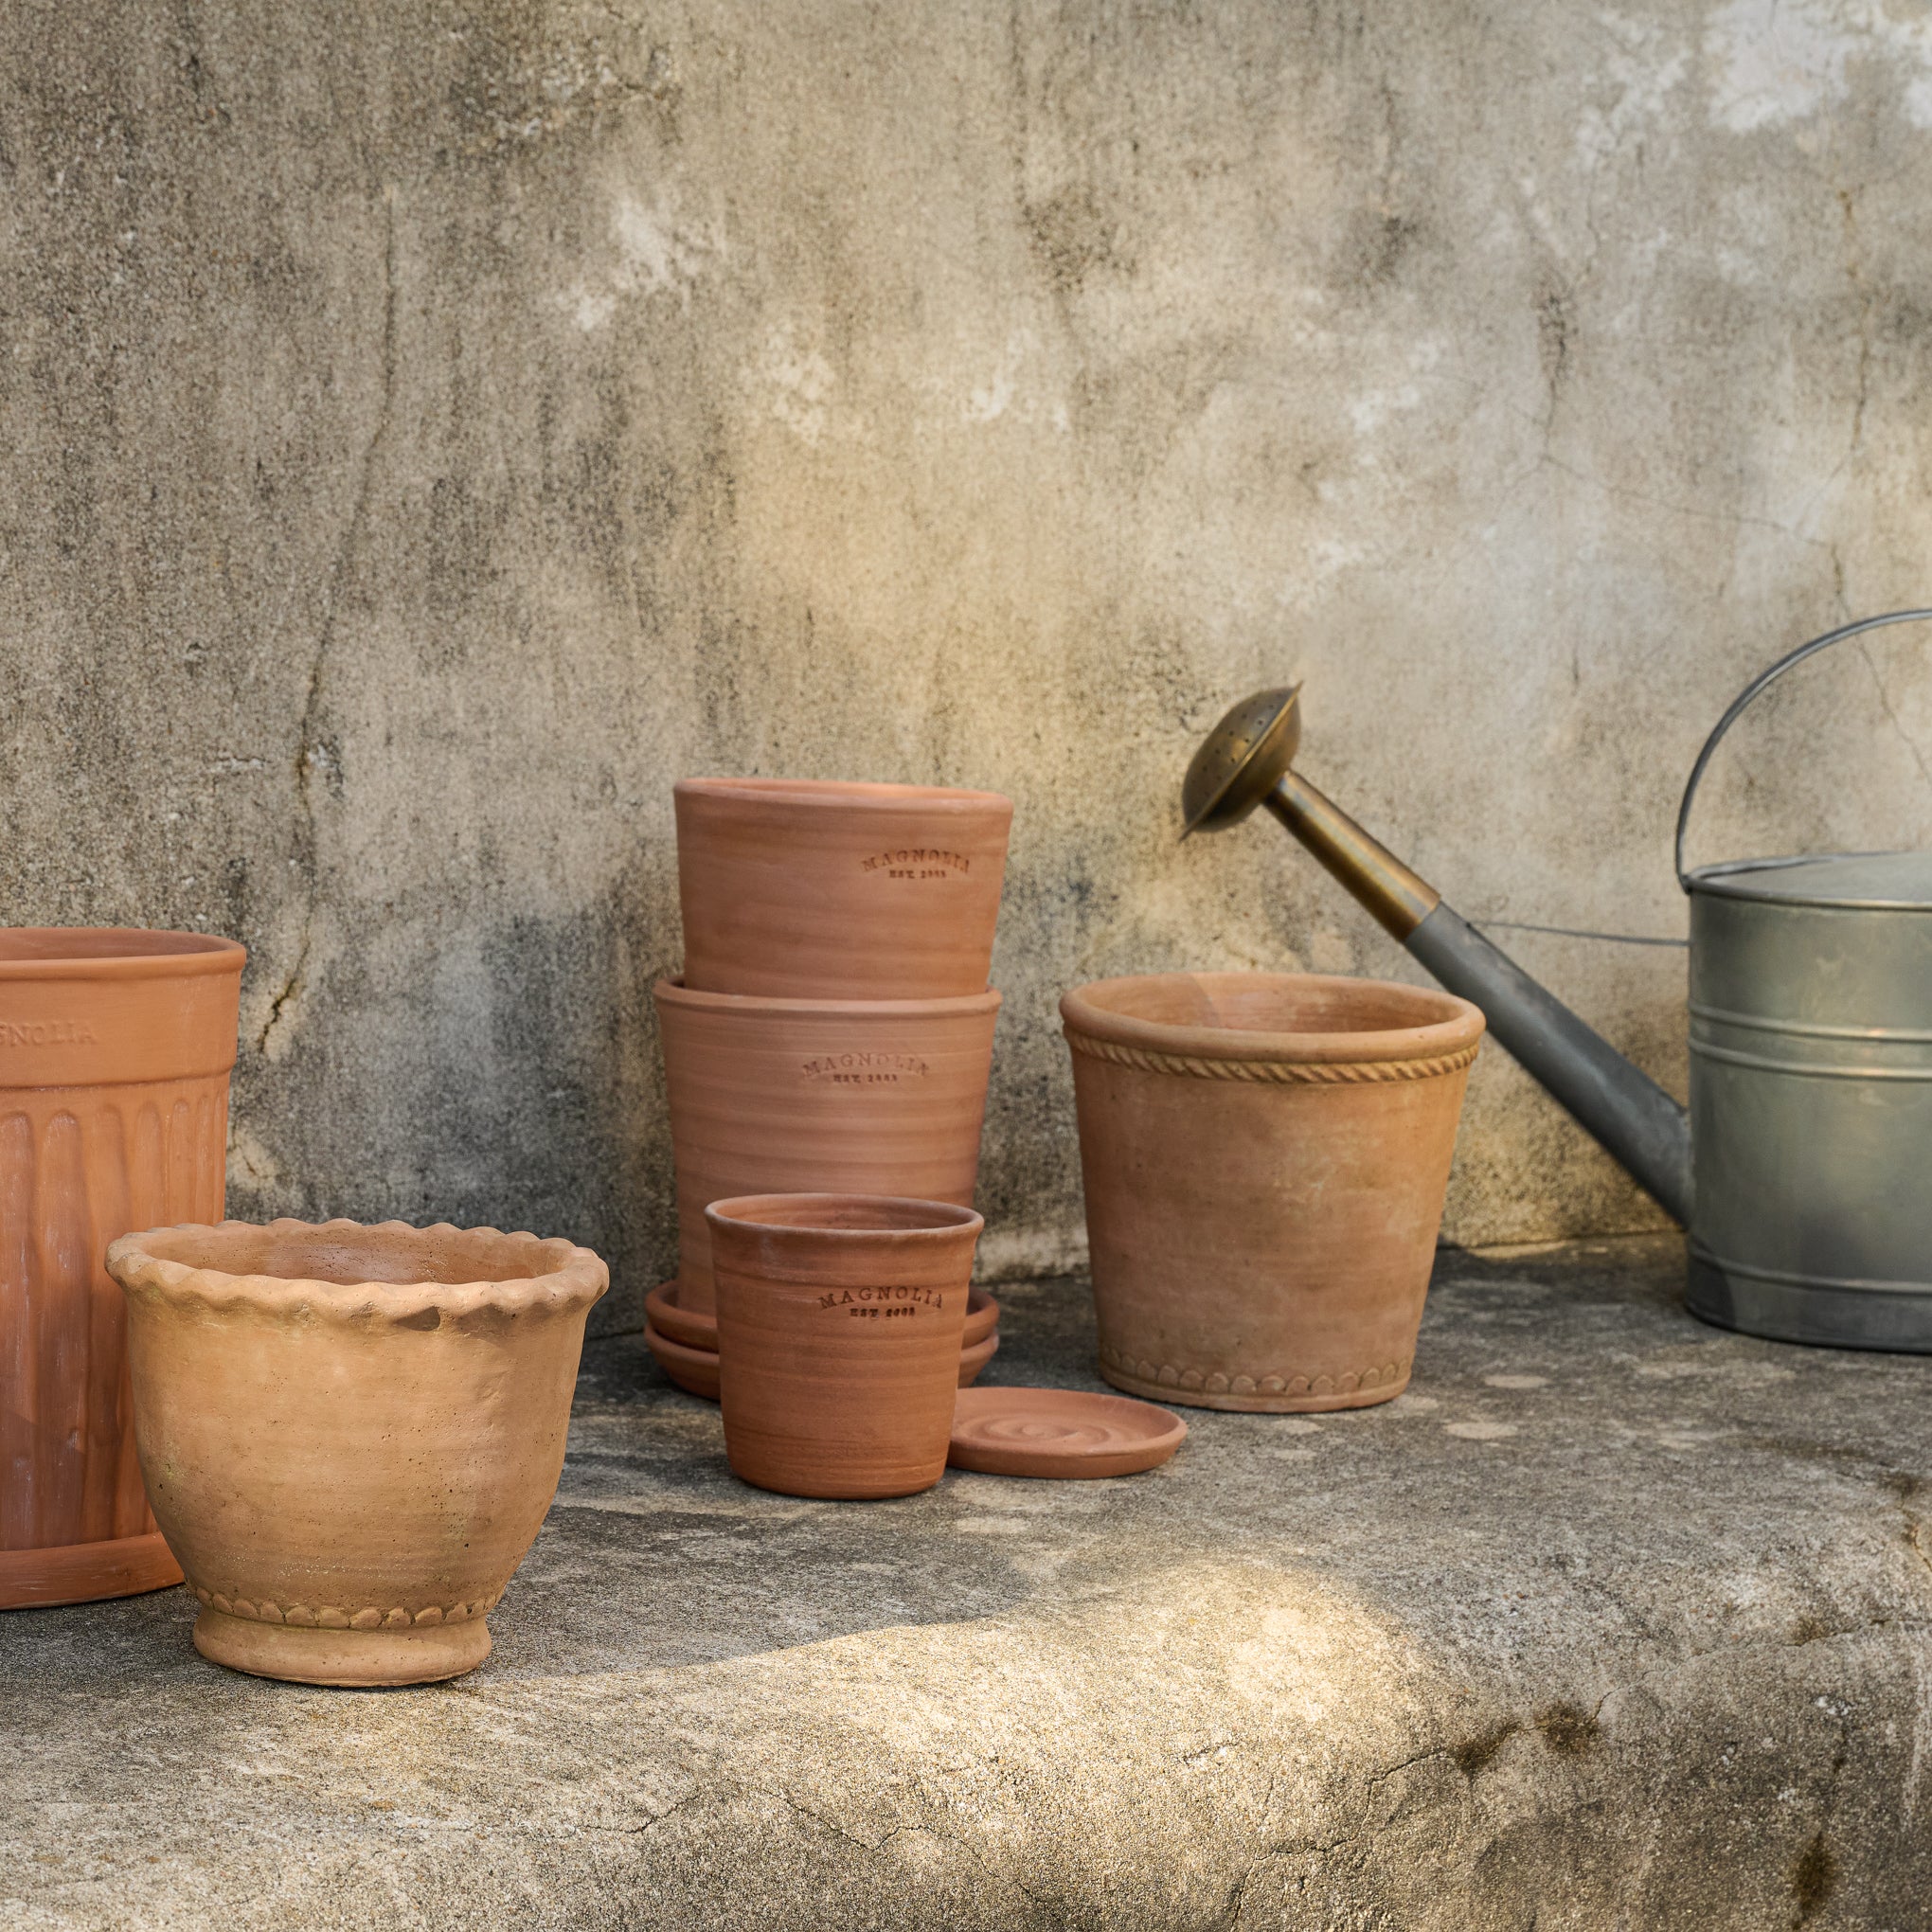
x=1060 y=1432
x=976 y=1358
x=695 y=1371
x=698 y=1330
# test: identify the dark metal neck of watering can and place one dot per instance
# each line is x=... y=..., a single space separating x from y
x=1399 y=899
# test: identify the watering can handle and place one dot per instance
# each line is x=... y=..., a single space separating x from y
x=1749 y=694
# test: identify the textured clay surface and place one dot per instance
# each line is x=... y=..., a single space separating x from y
x=430 y=430
x=1613 y=1618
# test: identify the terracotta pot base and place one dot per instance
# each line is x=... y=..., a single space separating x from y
x=695 y=1371
x=86 y=1572
x=366 y=1657
x=1288 y=1401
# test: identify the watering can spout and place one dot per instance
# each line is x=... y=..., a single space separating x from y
x=1248 y=760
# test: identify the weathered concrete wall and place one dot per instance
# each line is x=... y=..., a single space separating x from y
x=428 y=430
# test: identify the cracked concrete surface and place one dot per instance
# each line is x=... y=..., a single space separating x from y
x=1615 y=1620
x=429 y=430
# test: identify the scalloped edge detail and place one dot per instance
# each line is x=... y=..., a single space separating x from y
x=577 y=1284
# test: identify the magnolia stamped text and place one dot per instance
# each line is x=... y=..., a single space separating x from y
x=916 y=862
x=45 y=1033
x=875 y=1304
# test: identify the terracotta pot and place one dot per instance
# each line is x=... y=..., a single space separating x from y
x=114 y=1050
x=839 y=1318
x=800 y=888
x=351 y=1433
x=1265 y=1156
x=792 y=1096
x=694 y=1367
x=675 y=1324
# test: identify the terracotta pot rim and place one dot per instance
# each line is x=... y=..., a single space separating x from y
x=577 y=1278
x=939 y=1221
x=851 y=793
x=674 y=992
x=114 y=952
x=1084 y=1011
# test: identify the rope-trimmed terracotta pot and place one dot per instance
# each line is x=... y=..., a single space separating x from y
x=1265 y=1156
x=350 y=1435
x=114 y=1050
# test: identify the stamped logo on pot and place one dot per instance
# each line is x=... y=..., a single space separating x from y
x=46 y=1034
x=865 y=1069
x=882 y=1304
x=916 y=862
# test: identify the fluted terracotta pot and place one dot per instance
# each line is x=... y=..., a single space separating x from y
x=114 y=1050
x=793 y=1096
x=803 y=889
x=1265 y=1156
x=839 y=1320
x=351 y=1433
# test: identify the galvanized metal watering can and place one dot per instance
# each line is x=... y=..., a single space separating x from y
x=1811 y=1043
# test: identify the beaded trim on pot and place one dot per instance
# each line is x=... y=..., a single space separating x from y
x=1168 y=1376
x=326 y=1616
x=1281 y=1072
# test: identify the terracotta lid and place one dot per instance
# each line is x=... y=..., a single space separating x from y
x=1060 y=1432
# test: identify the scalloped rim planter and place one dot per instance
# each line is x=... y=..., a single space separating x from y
x=1264 y=1157
x=819 y=888
x=351 y=1433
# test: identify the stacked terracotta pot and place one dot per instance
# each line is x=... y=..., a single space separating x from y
x=833 y=1029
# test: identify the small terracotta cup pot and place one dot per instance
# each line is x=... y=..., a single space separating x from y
x=803 y=889
x=350 y=1434
x=839 y=1322
x=794 y=1096
x=1265 y=1156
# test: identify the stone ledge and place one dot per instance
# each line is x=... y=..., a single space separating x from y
x=1612 y=1619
